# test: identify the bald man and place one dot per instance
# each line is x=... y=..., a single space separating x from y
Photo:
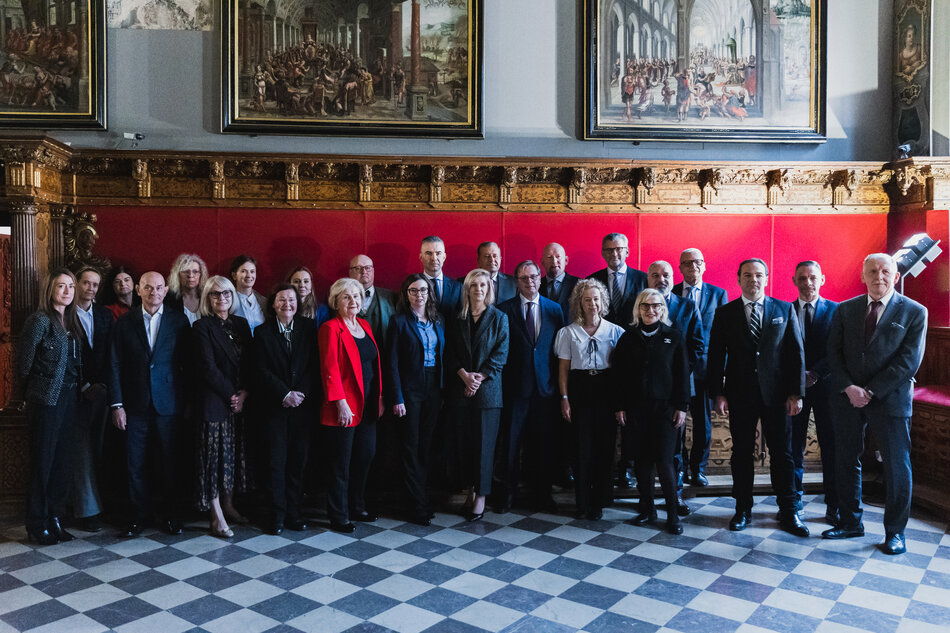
x=378 y=303
x=556 y=284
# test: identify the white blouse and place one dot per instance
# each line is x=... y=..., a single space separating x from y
x=585 y=351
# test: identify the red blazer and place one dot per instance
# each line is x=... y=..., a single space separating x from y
x=341 y=371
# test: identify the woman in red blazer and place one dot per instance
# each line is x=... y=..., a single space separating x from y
x=352 y=383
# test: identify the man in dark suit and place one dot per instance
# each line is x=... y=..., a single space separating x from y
x=814 y=314
x=145 y=391
x=556 y=284
x=529 y=387
x=756 y=372
x=93 y=409
x=489 y=258
x=707 y=298
x=378 y=303
x=622 y=282
x=875 y=348
x=684 y=317
x=448 y=292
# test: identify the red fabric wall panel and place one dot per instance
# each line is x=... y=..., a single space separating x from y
x=935 y=280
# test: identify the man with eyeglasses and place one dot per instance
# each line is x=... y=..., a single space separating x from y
x=622 y=282
x=378 y=303
x=756 y=373
x=529 y=386
x=707 y=298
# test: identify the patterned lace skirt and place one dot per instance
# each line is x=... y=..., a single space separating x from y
x=222 y=464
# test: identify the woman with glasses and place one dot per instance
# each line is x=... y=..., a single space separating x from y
x=651 y=393
x=185 y=281
x=415 y=343
x=223 y=354
x=585 y=349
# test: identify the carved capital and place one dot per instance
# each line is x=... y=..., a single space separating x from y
x=508 y=180
x=22 y=207
x=292 y=180
x=841 y=182
x=777 y=182
x=909 y=175
x=366 y=183
x=216 y=175
x=436 y=180
x=142 y=178
x=575 y=193
x=709 y=181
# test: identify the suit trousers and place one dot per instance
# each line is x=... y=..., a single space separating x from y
x=288 y=441
x=91 y=420
x=816 y=399
x=529 y=428
x=744 y=416
x=477 y=435
x=656 y=438
x=152 y=440
x=595 y=428
x=52 y=439
x=351 y=451
x=415 y=434
x=892 y=435
x=700 y=406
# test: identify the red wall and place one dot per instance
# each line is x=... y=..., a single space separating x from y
x=150 y=238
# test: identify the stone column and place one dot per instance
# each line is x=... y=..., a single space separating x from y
x=57 y=244
x=417 y=103
x=25 y=274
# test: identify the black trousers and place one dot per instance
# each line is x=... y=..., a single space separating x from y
x=529 y=427
x=656 y=438
x=415 y=435
x=816 y=399
x=288 y=443
x=700 y=407
x=92 y=414
x=351 y=450
x=477 y=435
x=52 y=441
x=595 y=437
x=744 y=417
x=152 y=440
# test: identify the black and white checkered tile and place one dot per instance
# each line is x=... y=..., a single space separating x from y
x=513 y=572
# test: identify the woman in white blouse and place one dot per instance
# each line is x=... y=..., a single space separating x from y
x=185 y=281
x=584 y=350
x=249 y=303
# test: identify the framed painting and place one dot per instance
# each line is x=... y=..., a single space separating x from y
x=705 y=70
x=352 y=67
x=52 y=64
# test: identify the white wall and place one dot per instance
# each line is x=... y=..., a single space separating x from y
x=164 y=84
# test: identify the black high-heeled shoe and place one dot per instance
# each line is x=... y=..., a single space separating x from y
x=57 y=530
x=41 y=536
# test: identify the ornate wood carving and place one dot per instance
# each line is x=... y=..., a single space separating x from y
x=79 y=238
x=366 y=183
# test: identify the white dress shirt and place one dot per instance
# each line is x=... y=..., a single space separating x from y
x=85 y=317
x=574 y=343
x=152 y=323
x=748 y=311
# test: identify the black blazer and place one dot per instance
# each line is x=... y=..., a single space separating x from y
x=650 y=368
x=563 y=297
x=451 y=301
x=486 y=354
x=405 y=357
x=684 y=318
x=41 y=356
x=220 y=371
x=140 y=378
x=711 y=298
x=531 y=368
x=634 y=281
x=279 y=372
x=816 y=338
x=95 y=359
x=736 y=365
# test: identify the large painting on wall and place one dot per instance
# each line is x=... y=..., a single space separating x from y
x=352 y=67
x=711 y=70
x=912 y=77
x=52 y=64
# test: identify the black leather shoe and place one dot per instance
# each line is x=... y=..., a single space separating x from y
x=792 y=523
x=41 y=536
x=365 y=517
x=504 y=504
x=275 y=529
x=843 y=531
x=421 y=519
x=643 y=518
x=134 y=530
x=740 y=520
x=345 y=528
x=699 y=480
x=546 y=504
x=831 y=517
x=674 y=527
x=595 y=515
x=473 y=516
x=57 y=530
x=91 y=524
x=297 y=525
x=894 y=544
x=173 y=527
x=682 y=509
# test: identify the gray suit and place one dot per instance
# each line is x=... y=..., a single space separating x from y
x=379 y=312
x=886 y=367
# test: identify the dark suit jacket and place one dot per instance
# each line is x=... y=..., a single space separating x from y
x=221 y=372
x=736 y=365
x=531 y=368
x=685 y=319
x=485 y=354
x=711 y=298
x=816 y=338
x=635 y=281
x=95 y=359
x=379 y=313
x=279 y=372
x=654 y=368
x=507 y=287
x=405 y=357
x=139 y=377
x=563 y=297
x=886 y=365
x=451 y=301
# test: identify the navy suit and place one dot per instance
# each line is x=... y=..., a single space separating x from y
x=529 y=384
x=634 y=282
x=685 y=318
x=450 y=301
x=885 y=366
x=148 y=384
x=756 y=380
x=505 y=287
x=711 y=298
x=563 y=296
x=817 y=400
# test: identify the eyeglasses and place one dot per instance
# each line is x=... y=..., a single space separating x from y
x=655 y=307
x=416 y=292
x=220 y=294
x=361 y=269
x=529 y=277
x=693 y=262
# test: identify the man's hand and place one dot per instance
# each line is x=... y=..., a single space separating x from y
x=118 y=418
x=721 y=406
x=858 y=396
x=566 y=409
x=621 y=417
x=399 y=410
x=793 y=405
x=811 y=378
x=679 y=419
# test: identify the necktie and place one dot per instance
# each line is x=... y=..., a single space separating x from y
x=287 y=335
x=694 y=293
x=755 y=323
x=870 y=322
x=615 y=293
x=494 y=288
x=529 y=322
x=555 y=290
x=809 y=317
x=438 y=290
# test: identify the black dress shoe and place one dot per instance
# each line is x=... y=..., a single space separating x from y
x=297 y=525
x=173 y=527
x=91 y=524
x=345 y=528
x=790 y=522
x=275 y=529
x=682 y=509
x=504 y=504
x=595 y=515
x=831 y=517
x=843 y=531
x=134 y=530
x=546 y=504
x=674 y=527
x=699 y=480
x=365 y=517
x=41 y=536
x=421 y=519
x=474 y=516
x=57 y=530
x=643 y=518
x=894 y=544
x=740 y=520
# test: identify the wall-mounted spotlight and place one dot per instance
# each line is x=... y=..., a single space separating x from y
x=918 y=251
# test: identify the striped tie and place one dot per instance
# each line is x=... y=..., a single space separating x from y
x=755 y=324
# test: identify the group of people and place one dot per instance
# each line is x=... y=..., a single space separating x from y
x=494 y=384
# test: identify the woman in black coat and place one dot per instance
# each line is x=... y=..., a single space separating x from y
x=476 y=351
x=223 y=357
x=289 y=381
x=651 y=384
x=49 y=368
x=414 y=346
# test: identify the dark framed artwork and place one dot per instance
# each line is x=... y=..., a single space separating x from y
x=912 y=76
x=52 y=64
x=352 y=67
x=705 y=70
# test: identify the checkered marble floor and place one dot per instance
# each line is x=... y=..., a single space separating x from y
x=514 y=572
